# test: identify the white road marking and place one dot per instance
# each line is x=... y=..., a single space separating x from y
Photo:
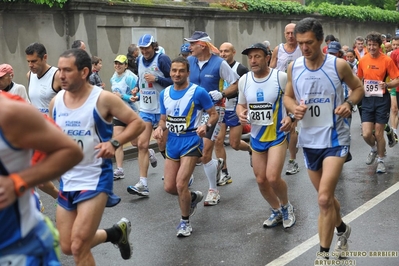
x=314 y=240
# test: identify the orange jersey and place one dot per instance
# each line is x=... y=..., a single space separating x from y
x=377 y=68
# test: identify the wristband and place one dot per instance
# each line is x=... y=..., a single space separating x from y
x=20 y=185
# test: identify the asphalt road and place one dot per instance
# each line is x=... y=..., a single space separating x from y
x=231 y=233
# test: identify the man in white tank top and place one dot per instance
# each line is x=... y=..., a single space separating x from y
x=85 y=113
x=43 y=80
x=314 y=94
x=283 y=55
x=154 y=76
x=43 y=85
x=260 y=102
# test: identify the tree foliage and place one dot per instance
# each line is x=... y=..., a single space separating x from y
x=351 y=12
x=386 y=4
x=50 y=3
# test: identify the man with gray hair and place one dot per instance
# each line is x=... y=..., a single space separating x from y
x=207 y=70
x=283 y=55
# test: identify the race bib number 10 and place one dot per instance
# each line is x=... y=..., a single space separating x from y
x=319 y=113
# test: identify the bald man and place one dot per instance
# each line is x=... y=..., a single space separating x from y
x=227 y=52
x=282 y=56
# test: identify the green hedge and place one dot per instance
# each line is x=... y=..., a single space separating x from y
x=357 y=13
x=50 y=3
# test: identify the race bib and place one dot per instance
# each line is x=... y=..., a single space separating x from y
x=261 y=113
x=176 y=124
x=85 y=140
x=148 y=99
x=319 y=112
x=372 y=88
x=204 y=118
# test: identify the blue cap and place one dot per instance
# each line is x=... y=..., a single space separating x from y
x=146 y=40
x=184 y=49
x=196 y=36
x=334 y=47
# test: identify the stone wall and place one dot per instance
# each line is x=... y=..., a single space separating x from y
x=109 y=29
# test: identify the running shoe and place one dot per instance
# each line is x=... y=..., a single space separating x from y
x=119 y=173
x=184 y=228
x=288 y=215
x=139 y=189
x=123 y=243
x=381 y=168
x=275 y=218
x=342 y=242
x=194 y=202
x=292 y=168
x=153 y=159
x=212 y=198
x=371 y=157
x=392 y=141
x=225 y=179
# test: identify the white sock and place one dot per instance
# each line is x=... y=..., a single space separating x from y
x=210 y=171
x=143 y=180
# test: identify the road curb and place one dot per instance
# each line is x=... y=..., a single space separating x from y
x=132 y=152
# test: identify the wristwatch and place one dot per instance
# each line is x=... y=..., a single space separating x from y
x=208 y=127
x=156 y=78
x=223 y=94
x=351 y=104
x=292 y=116
x=115 y=143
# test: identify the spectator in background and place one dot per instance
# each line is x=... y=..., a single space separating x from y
x=6 y=83
x=78 y=44
x=388 y=48
x=185 y=50
x=132 y=54
x=96 y=65
x=328 y=39
x=388 y=38
x=395 y=42
x=360 y=50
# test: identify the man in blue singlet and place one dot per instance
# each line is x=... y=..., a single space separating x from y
x=182 y=105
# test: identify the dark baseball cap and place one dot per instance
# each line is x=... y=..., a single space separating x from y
x=256 y=46
x=334 y=47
